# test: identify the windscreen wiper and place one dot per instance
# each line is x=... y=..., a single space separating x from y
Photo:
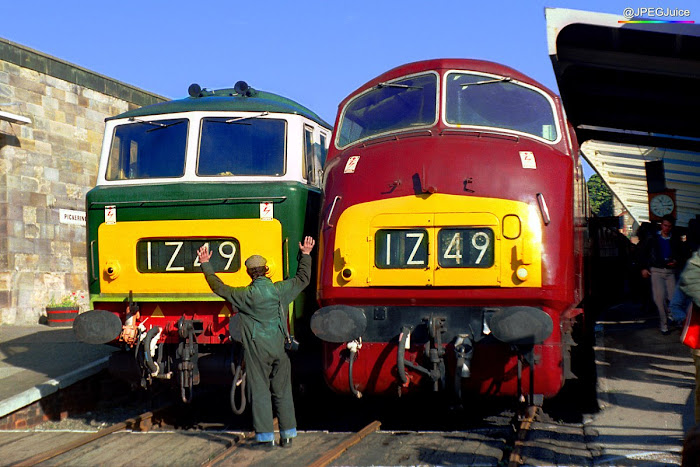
x=505 y=79
x=157 y=125
x=396 y=85
x=240 y=119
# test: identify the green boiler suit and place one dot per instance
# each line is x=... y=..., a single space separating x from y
x=267 y=364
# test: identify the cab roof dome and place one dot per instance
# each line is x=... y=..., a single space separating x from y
x=226 y=100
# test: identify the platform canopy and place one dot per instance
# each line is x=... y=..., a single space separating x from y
x=632 y=92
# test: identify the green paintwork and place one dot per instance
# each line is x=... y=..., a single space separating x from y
x=227 y=100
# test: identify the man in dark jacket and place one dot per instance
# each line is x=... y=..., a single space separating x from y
x=263 y=331
x=690 y=285
x=662 y=255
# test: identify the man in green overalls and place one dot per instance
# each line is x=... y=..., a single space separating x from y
x=263 y=331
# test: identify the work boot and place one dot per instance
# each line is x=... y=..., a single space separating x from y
x=262 y=445
x=286 y=442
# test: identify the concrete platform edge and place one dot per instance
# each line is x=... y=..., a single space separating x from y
x=601 y=369
x=51 y=386
x=597 y=450
x=607 y=441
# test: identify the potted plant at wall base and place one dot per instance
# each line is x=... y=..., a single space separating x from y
x=62 y=311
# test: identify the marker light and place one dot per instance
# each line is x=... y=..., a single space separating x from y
x=347 y=273
x=271 y=268
x=522 y=273
x=112 y=269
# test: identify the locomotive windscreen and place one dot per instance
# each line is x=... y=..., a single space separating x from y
x=394 y=105
x=498 y=103
x=148 y=149
x=242 y=147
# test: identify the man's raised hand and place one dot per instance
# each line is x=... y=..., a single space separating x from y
x=307 y=246
x=204 y=254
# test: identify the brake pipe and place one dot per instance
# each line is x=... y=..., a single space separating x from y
x=400 y=357
x=239 y=380
x=353 y=347
x=149 y=349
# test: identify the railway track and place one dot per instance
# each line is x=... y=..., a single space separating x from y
x=369 y=446
x=516 y=456
x=141 y=422
x=120 y=444
x=322 y=460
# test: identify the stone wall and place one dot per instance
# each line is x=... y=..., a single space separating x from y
x=47 y=166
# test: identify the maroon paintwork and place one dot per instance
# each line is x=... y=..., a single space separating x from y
x=444 y=157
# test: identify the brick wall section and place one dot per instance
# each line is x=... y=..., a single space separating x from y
x=77 y=399
x=45 y=166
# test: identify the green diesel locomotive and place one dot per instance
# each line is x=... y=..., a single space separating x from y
x=239 y=169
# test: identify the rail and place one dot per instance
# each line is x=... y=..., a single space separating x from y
x=50 y=454
x=516 y=457
x=347 y=443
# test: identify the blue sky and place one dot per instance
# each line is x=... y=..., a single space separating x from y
x=315 y=52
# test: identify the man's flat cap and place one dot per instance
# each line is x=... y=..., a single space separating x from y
x=255 y=261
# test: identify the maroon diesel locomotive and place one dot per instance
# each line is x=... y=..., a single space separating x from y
x=451 y=243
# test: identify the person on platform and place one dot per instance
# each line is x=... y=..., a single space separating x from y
x=690 y=285
x=680 y=303
x=690 y=455
x=264 y=331
x=661 y=256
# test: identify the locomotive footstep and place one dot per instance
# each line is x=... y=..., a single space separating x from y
x=338 y=323
x=97 y=327
x=521 y=325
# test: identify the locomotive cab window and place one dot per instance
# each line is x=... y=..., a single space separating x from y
x=315 y=151
x=321 y=154
x=323 y=148
x=498 y=102
x=242 y=146
x=395 y=105
x=308 y=160
x=148 y=149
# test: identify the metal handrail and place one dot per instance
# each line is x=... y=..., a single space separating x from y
x=92 y=260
